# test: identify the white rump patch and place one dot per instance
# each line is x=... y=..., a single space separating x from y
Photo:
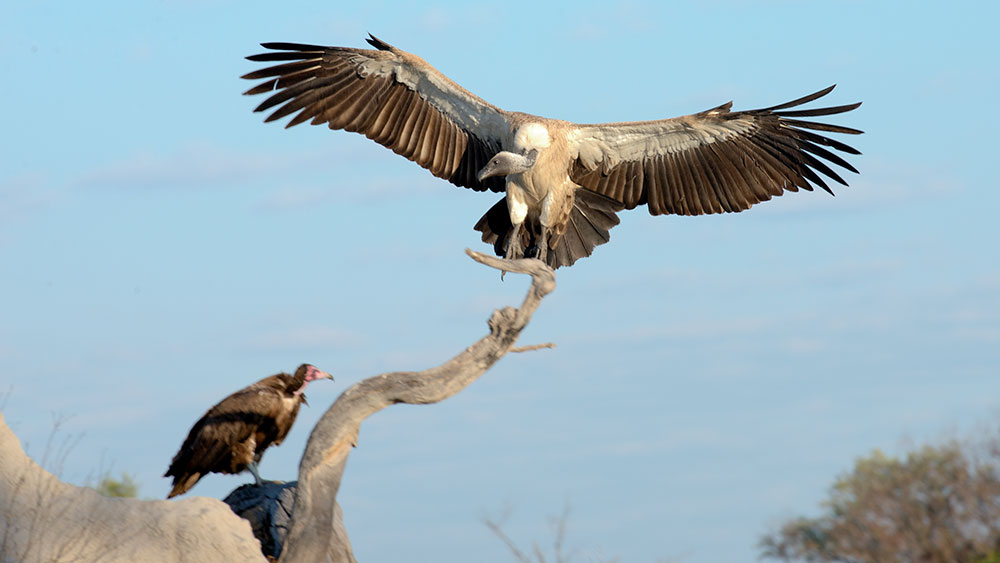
x=532 y=136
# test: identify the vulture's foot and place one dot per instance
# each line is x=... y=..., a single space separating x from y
x=514 y=249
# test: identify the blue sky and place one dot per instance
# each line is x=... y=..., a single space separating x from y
x=161 y=247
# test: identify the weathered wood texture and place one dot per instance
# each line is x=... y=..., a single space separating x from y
x=315 y=535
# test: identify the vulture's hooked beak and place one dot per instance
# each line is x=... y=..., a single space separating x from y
x=315 y=373
x=488 y=171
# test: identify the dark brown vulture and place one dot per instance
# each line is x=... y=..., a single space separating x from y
x=233 y=435
x=564 y=182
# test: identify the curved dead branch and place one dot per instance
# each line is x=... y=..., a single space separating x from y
x=316 y=534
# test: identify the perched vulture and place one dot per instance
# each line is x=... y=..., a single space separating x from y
x=233 y=435
x=564 y=182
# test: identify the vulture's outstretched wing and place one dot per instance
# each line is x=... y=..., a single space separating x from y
x=390 y=96
x=711 y=162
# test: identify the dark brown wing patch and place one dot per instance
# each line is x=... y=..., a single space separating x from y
x=780 y=153
x=326 y=85
x=233 y=433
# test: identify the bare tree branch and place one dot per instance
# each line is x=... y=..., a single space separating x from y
x=532 y=347
x=315 y=533
x=558 y=525
x=496 y=526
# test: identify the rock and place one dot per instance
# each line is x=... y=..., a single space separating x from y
x=43 y=519
x=268 y=508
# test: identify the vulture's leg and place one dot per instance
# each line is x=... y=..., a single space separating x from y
x=543 y=243
x=252 y=466
x=518 y=209
x=514 y=247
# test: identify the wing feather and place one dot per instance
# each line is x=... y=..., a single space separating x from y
x=780 y=177
x=730 y=182
x=718 y=185
x=799 y=101
x=832 y=157
x=390 y=96
x=712 y=162
x=208 y=446
x=396 y=104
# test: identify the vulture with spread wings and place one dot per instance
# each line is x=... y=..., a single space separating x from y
x=564 y=182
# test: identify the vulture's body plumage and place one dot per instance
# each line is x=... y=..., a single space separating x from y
x=233 y=435
x=564 y=182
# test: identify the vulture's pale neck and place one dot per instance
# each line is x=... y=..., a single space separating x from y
x=298 y=386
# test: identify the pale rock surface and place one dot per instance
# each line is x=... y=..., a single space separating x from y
x=43 y=519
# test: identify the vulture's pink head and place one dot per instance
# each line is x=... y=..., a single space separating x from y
x=313 y=373
x=307 y=373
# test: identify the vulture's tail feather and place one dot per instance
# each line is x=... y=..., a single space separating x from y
x=495 y=226
x=183 y=484
x=592 y=216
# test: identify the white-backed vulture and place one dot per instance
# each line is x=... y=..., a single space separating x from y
x=564 y=182
x=233 y=435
